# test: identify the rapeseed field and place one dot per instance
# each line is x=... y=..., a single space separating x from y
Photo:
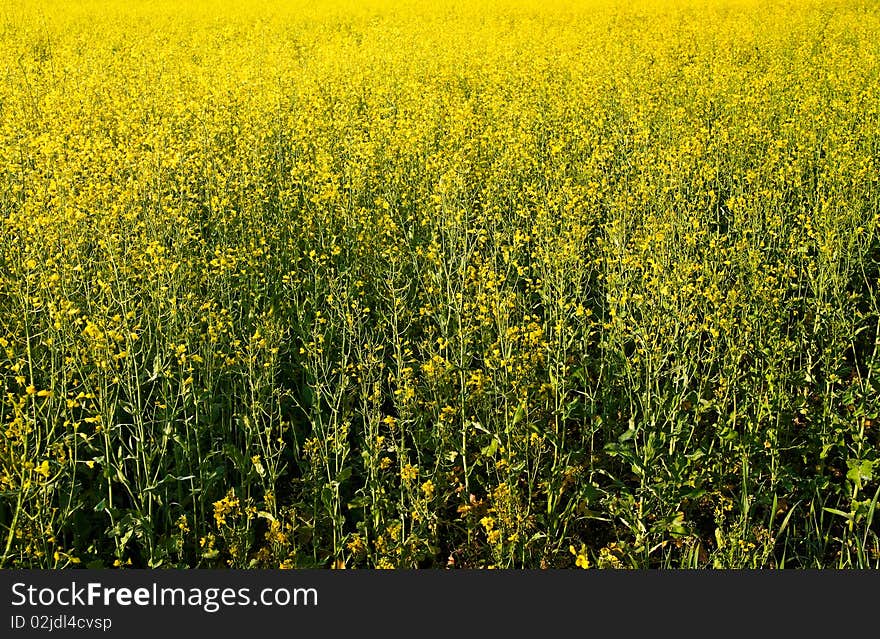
x=389 y=284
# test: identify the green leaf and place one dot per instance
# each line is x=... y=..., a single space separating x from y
x=591 y=493
x=359 y=502
x=673 y=524
x=860 y=470
x=308 y=397
x=478 y=426
x=696 y=493
x=343 y=474
x=327 y=497
x=834 y=511
x=491 y=449
x=518 y=415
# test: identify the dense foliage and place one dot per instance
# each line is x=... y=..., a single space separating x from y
x=502 y=284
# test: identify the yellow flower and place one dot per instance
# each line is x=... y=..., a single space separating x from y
x=356 y=545
x=409 y=472
x=228 y=506
x=581 y=559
